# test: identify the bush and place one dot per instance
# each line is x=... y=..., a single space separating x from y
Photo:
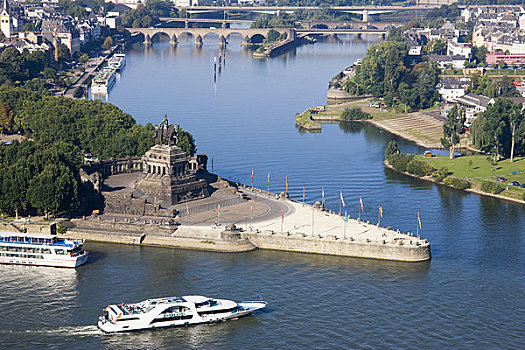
x=419 y=168
x=399 y=161
x=61 y=229
x=391 y=148
x=441 y=174
x=456 y=183
x=354 y=113
x=491 y=187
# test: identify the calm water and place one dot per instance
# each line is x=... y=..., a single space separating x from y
x=471 y=295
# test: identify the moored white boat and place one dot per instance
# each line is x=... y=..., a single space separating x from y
x=117 y=61
x=103 y=80
x=173 y=312
x=41 y=250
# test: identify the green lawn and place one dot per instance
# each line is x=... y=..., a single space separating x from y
x=478 y=169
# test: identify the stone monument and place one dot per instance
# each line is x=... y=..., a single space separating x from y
x=167 y=176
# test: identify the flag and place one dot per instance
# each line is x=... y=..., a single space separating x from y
x=268 y=179
x=251 y=212
x=380 y=210
x=286 y=181
x=260 y=297
x=361 y=203
x=252 y=175
x=322 y=193
x=187 y=208
x=218 y=210
x=342 y=200
x=304 y=191
x=419 y=219
x=346 y=216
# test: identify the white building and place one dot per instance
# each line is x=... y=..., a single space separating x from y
x=450 y=89
x=6 y=25
x=185 y=3
x=459 y=49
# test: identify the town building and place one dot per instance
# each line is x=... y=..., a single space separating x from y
x=459 y=49
x=450 y=89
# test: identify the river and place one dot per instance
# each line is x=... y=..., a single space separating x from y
x=470 y=295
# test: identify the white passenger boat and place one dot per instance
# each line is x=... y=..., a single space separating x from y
x=172 y=312
x=103 y=80
x=117 y=61
x=41 y=250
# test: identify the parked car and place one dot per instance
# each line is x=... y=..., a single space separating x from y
x=516 y=183
x=501 y=179
x=523 y=185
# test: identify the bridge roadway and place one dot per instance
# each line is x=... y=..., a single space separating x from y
x=247 y=34
x=305 y=24
x=364 y=11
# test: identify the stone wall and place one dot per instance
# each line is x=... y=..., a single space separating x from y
x=329 y=245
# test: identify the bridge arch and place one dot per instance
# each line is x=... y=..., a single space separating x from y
x=233 y=33
x=158 y=35
x=257 y=38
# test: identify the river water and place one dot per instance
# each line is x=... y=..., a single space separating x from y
x=470 y=295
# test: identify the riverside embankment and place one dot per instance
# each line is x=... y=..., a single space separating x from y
x=506 y=192
x=278 y=224
x=424 y=128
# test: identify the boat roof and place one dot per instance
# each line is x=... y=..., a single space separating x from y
x=30 y=235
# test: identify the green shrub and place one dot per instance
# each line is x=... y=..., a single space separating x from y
x=399 y=161
x=419 y=168
x=441 y=174
x=354 y=113
x=456 y=183
x=491 y=187
x=61 y=229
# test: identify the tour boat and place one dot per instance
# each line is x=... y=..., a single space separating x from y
x=103 y=80
x=172 y=312
x=118 y=61
x=41 y=250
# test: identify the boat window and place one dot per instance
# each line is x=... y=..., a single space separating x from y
x=60 y=252
x=46 y=250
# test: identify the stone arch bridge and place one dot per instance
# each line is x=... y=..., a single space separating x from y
x=199 y=33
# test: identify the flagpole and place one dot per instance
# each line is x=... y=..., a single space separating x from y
x=282 y=221
x=268 y=183
x=252 y=179
x=304 y=192
x=313 y=213
x=346 y=219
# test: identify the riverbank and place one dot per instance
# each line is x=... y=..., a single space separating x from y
x=423 y=128
x=507 y=190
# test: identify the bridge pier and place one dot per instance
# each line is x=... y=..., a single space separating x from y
x=365 y=15
x=187 y=23
x=173 y=40
x=198 y=41
x=147 y=40
x=222 y=41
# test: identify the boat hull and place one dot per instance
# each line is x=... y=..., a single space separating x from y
x=50 y=262
x=245 y=309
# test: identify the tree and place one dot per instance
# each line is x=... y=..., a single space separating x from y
x=502 y=64
x=496 y=131
x=391 y=148
x=108 y=42
x=452 y=128
x=515 y=119
x=272 y=36
x=6 y=118
x=53 y=190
